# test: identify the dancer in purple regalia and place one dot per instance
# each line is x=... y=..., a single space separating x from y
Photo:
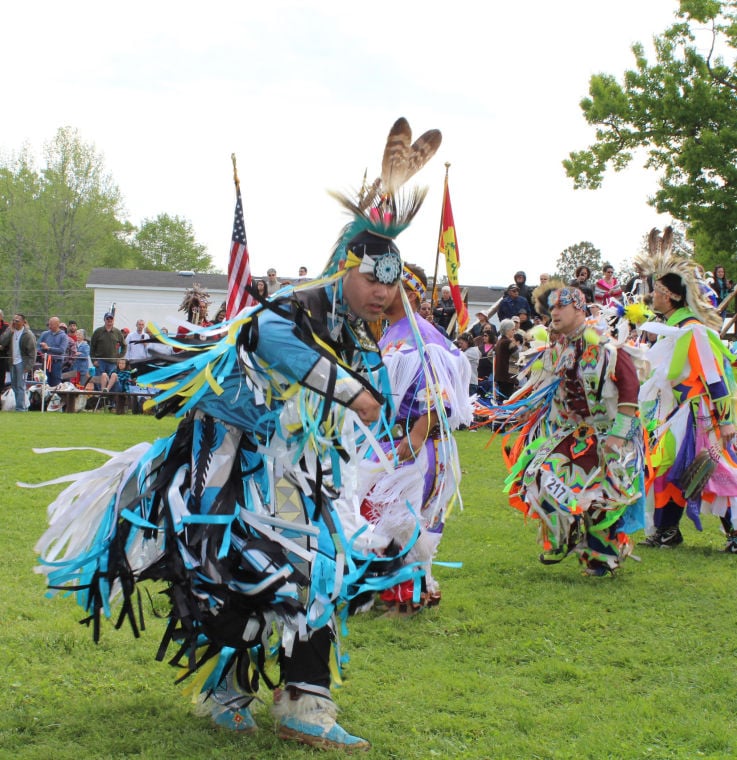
x=429 y=378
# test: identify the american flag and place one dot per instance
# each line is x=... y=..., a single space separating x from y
x=239 y=265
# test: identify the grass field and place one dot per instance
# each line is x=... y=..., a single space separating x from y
x=519 y=660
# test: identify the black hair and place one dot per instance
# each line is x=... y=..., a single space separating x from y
x=367 y=242
x=675 y=284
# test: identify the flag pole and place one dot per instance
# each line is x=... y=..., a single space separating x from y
x=235 y=171
x=440 y=235
x=239 y=267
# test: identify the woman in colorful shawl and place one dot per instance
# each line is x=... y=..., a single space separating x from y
x=607 y=288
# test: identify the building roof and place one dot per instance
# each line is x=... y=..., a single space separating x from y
x=158 y=280
x=153 y=279
x=483 y=294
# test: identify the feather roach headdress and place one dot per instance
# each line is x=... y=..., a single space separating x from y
x=195 y=302
x=679 y=275
x=382 y=209
x=540 y=295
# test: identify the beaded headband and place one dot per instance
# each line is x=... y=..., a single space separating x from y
x=385 y=267
x=413 y=283
x=666 y=292
x=565 y=296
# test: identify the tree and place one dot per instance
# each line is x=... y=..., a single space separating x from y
x=682 y=110
x=20 y=223
x=55 y=225
x=579 y=254
x=60 y=221
x=168 y=243
x=81 y=205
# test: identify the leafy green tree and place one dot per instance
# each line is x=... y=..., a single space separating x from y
x=59 y=221
x=121 y=252
x=20 y=223
x=56 y=223
x=681 y=111
x=168 y=243
x=82 y=205
x=579 y=254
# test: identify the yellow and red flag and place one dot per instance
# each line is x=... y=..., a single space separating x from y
x=448 y=246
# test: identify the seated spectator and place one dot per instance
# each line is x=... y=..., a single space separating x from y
x=483 y=320
x=303 y=275
x=272 y=281
x=106 y=345
x=512 y=303
x=490 y=328
x=581 y=282
x=639 y=285
x=72 y=329
x=117 y=381
x=137 y=342
x=504 y=360
x=157 y=349
x=81 y=365
x=472 y=353
x=525 y=323
x=19 y=345
x=486 y=352
x=124 y=375
x=525 y=291
x=444 y=309
x=521 y=344
x=52 y=345
x=426 y=312
x=4 y=359
x=67 y=365
x=220 y=316
x=721 y=286
x=261 y=289
x=607 y=288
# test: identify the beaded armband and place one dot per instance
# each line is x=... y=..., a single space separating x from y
x=625 y=426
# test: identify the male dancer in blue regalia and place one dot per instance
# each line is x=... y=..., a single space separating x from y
x=249 y=511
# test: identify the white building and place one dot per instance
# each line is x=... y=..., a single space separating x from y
x=150 y=295
x=155 y=296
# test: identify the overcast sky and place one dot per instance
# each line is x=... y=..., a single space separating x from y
x=304 y=94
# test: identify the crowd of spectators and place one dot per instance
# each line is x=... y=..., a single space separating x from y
x=63 y=357
x=106 y=360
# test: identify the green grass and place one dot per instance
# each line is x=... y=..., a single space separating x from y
x=519 y=660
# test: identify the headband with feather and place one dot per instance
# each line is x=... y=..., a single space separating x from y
x=662 y=261
x=382 y=208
